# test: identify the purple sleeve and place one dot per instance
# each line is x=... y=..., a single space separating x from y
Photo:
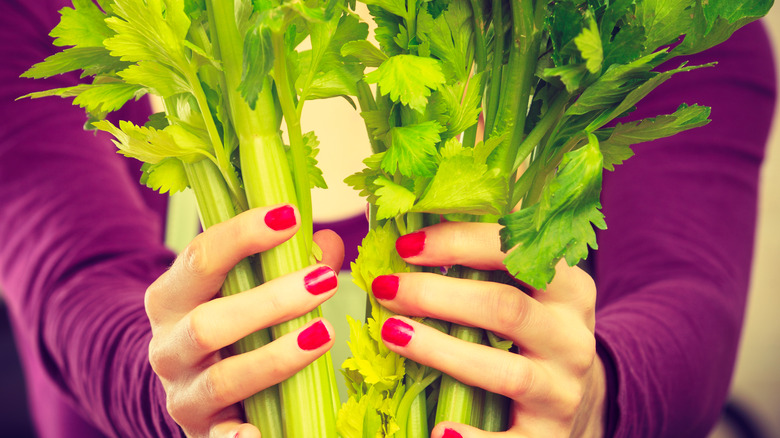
x=80 y=244
x=673 y=267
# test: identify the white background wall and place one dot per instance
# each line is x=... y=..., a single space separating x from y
x=757 y=380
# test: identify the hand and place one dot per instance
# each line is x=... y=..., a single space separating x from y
x=556 y=383
x=190 y=327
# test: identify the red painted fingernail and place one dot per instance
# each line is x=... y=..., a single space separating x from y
x=320 y=280
x=281 y=218
x=411 y=244
x=397 y=332
x=451 y=433
x=237 y=434
x=315 y=336
x=385 y=287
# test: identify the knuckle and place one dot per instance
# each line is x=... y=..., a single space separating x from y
x=156 y=358
x=175 y=407
x=508 y=308
x=194 y=257
x=218 y=386
x=586 y=285
x=583 y=353
x=516 y=380
x=197 y=328
x=569 y=401
x=150 y=299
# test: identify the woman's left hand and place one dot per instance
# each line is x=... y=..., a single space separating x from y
x=556 y=382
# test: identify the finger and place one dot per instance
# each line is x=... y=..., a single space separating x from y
x=332 y=248
x=448 y=429
x=234 y=429
x=497 y=307
x=237 y=377
x=499 y=372
x=570 y=285
x=218 y=323
x=199 y=271
x=476 y=245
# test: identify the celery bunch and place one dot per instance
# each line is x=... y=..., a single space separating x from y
x=228 y=72
x=548 y=78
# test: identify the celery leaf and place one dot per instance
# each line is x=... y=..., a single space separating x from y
x=463 y=185
x=158 y=78
x=408 y=79
x=561 y=224
x=258 y=61
x=81 y=26
x=167 y=175
x=152 y=145
x=413 y=151
x=617 y=141
x=392 y=199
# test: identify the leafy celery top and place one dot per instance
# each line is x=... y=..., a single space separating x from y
x=548 y=79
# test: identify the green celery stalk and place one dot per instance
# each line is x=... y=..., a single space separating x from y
x=215 y=206
x=308 y=396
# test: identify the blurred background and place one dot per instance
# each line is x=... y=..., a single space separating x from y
x=754 y=407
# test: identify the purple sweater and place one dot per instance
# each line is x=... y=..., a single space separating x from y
x=81 y=240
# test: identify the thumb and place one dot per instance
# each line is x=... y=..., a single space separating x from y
x=332 y=248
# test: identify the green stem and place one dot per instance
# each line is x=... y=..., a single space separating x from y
x=368 y=103
x=220 y=152
x=215 y=205
x=411 y=19
x=480 y=56
x=542 y=127
x=293 y=121
x=495 y=415
x=409 y=399
x=307 y=397
x=496 y=69
x=417 y=422
x=458 y=401
x=516 y=85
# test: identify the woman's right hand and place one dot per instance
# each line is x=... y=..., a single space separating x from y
x=191 y=325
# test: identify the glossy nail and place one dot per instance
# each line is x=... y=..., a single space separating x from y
x=385 y=287
x=320 y=280
x=410 y=245
x=397 y=332
x=281 y=218
x=315 y=336
x=451 y=433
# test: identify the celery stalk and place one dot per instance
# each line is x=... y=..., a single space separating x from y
x=307 y=397
x=214 y=206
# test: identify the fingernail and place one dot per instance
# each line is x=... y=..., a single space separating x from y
x=385 y=287
x=397 y=332
x=281 y=218
x=320 y=280
x=451 y=433
x=411 y=244
x=315 y=336
x=237 y=434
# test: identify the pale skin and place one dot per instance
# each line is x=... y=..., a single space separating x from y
x=556 y=382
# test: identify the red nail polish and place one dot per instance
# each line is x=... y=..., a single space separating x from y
x=385 y=287
x=281 y=218
x=320 y=280
x=397 y=332
x=411 y=244
x=315 y=336
x=451 y=433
